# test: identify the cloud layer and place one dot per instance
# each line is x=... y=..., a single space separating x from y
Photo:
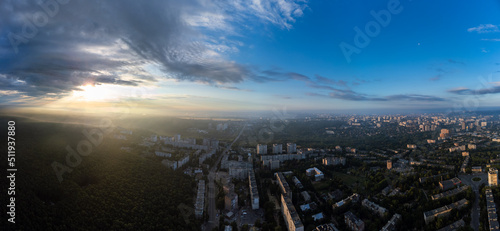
x=53 y=48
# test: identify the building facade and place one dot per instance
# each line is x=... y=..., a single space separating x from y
x=291 y=148
x=493 y=177
x=290 y=215
x=261 y=149
x=353 y=222
x=277 y=149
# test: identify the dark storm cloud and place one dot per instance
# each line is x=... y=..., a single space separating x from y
x=92 y=42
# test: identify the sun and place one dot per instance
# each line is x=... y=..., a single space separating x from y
x=92 y=93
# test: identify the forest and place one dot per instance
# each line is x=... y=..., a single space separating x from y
x=110 y=189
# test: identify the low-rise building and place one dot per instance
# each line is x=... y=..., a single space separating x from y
x=305 y=195
x=443 y=211
x=272 y=164
x=492 y=211
x=326 y=227
x=237 y=169
x=283 y=157
x=254 y=193
x=297 y=182
x=374 y=207
x=477 y=169
x=231 y=201
x=353 y=222
x=389 y=164
x=493 y=177
x=449 y=193
x=454 y=226
x=464 y=164
x=290 y=215
x=391 y=224
x=448 y=184
x=284 y=187
x=354 y=198
x=318 y=216
x=200 y=200
x=318 y=174
x=163 y=154
x=329 y=161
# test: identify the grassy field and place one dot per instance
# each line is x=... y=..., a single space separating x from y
x=351 y=181
x=321 y=186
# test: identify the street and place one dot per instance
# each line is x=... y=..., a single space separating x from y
x=467 y=179
x=213 y=220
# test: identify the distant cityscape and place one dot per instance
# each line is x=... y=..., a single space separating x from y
x=434 y=182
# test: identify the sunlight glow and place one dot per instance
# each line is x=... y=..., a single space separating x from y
x=94 y=93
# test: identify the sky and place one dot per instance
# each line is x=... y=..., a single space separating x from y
x=191 y=56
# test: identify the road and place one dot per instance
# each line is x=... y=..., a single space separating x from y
x=212 y=210
x=213 y=220
x=467 y=179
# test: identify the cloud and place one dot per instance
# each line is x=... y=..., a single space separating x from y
x=436 y=77
x=315 y=94
x=445 y=68
x=460 y=90
x=483 y=91
x=115 y=42
x=324 y=80
x=350 y=95
x=345 y=94
x=276 y=74
x=283 y=96
x=456 y=62
x=358 y=82
x=299 y=77
x=231 y=88
x=492 y=39
x=353 y=96
x=317 y=86
x=278 y=12
x=484 y=28
x=415 y=97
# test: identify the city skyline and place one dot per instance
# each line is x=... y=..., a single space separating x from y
x=238 y=56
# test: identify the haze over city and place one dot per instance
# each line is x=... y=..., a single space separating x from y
x=230 y=56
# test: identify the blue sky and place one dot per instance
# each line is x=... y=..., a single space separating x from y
x=202 y=55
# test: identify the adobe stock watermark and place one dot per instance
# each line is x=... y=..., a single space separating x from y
x=93 y=137
x=277 y=124
x=372 y=29
x=36 y=21
x=473 y=98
